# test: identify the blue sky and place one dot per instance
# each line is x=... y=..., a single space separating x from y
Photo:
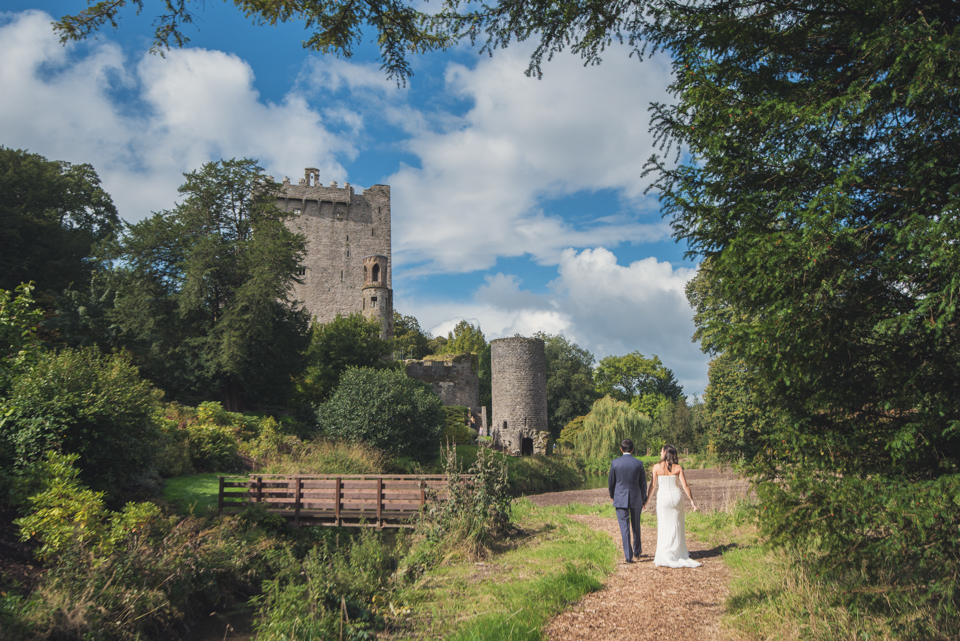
x=517 y=203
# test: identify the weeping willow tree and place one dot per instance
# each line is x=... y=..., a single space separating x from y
x=608 y=423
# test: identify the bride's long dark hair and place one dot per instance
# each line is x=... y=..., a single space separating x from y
x=670 y=456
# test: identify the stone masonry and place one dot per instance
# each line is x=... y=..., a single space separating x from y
x=456 y=380
x=347 y=268
x=519 y=386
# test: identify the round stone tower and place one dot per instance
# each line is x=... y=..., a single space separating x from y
x=519 y=384
x=377 y=296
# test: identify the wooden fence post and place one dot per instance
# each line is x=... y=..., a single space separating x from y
x=220 y=498
x=336 y=498
x=259 y=489
x=379 y=502
x=296 y=502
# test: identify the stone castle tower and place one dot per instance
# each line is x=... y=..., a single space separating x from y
x=347 y=267
x=518 y=368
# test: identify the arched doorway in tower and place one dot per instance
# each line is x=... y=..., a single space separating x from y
x=526 y=446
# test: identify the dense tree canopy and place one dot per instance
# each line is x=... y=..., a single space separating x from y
x=387 y=410
x=51 y=214
x=203 y=290
x=464 y=338
x=643 y=382
x=409 y=340
x=570 y=387
x=344 y=342
x=823 y=188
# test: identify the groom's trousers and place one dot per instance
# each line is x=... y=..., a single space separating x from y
x=629 y=517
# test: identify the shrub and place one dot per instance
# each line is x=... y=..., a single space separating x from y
x=289 y=455
x=456 y=429
x=92 y=404
x=474 y=514
x=386 y=410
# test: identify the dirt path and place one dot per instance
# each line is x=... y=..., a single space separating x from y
x=641 y=601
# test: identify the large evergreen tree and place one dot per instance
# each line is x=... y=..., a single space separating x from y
x=51 y=215
x=203 y=290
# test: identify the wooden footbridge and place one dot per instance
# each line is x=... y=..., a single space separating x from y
x=384 y=501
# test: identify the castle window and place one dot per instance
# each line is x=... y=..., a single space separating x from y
x=348 y=238
x=296 y=211
x=301 y=271
x=348 y=253
x=371 y=231
x=373 y=302
x=376 y=273
x=341 y=275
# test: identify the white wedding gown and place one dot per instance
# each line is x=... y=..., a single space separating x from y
x=671 y=533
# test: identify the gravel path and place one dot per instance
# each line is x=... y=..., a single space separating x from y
x=641 y=601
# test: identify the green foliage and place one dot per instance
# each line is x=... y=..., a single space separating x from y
x=643 y=382
x=386 y=410
x=608 y=423
x=733 y=419
x=51 y=215
x=570 y=386
x=540 y=474
x=822 y=192
x=679 y=425
x=455 y=429
x=59 y=508
x=464 y=338
x=202 y=291
x=19 y=346
x=409 y=341
x=335 y=586
x=568 y=435
x=345 y=342
x=292 y=456
x=475 y=513
x=92 y=404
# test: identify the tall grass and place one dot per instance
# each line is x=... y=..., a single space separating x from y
x=292 y=456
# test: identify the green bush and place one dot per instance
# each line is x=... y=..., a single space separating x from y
x=386 y=410
x=92 y=404
x=539 y=474
x=608 y=423
x=456 y=429
x=289 y=455
x=334 y=584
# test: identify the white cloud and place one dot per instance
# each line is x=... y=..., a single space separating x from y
x=142 y=124
x=483 y=179
x=605 y=307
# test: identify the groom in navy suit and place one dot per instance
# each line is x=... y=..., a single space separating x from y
x=628 y=489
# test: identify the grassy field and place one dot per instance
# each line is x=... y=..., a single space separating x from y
x=551 y=562
x=193 y=494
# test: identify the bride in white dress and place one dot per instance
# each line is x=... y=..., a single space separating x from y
x=671 y=534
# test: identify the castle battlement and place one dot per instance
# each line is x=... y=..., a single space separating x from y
x=345 y=231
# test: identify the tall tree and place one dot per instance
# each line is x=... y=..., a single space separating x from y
x=344 y=342
x=464 y=338
x=409 y=341
x=570 y=387
x=203 y=290
x=824 y=188
x=51 y=214
x=643 y=382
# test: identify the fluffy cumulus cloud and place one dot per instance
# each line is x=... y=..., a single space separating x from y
x=485 y=179
x=144 y=122
x=605 y=307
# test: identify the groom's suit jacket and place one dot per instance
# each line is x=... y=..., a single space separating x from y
x=628 y=483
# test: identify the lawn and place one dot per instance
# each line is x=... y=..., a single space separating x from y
x=194 y=494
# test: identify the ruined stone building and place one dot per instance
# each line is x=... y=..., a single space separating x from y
x=518 y=368
x=456 y=380
x=347 y=268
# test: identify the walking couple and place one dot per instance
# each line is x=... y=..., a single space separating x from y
x=628 y=489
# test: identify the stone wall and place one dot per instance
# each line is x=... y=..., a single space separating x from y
x=519 y=386
x=341 y=228
x=455 y=380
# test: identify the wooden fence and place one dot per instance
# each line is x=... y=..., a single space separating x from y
x=386 y=501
